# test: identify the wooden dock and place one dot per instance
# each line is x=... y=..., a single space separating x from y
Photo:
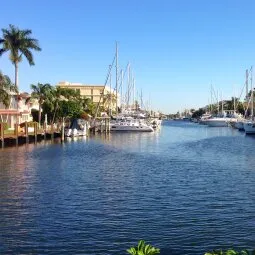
x=18 y=136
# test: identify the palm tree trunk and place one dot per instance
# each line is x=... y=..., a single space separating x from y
x=54 y=114
x=39 y=115
x=16 y=76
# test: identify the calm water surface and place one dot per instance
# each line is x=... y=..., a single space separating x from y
x=186 y=189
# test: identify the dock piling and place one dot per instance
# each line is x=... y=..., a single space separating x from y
x=16 y=133
x=35 y=131
x=2 y=133
x=26 y=132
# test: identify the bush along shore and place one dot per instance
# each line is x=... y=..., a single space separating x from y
x=146 y=249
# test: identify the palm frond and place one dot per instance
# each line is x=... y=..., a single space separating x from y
x=33 y=44
x=29 y=56
x=18 y=42
x=26 y=32
x=2 y=51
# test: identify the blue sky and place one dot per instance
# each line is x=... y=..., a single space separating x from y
x=177 y=48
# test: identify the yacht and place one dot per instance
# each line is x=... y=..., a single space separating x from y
x=130 y=124
x=217 y=122
x=78 y=128
x=204 y=118
x=249 y=127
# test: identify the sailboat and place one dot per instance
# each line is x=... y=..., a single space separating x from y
x=131 y=120
x=249 y=126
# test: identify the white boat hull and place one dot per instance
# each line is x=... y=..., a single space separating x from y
x=239 y=125
x=74 y=132
x=249 y=127
x=216 y=122
x=134 y=128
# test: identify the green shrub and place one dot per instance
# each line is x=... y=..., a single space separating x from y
x=231 y=252
x=143 y=249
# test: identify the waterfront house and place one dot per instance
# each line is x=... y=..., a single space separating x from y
x=19 y=109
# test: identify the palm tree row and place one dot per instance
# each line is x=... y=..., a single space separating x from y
x=59 y=102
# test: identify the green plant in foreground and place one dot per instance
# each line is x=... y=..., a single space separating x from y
x=231 y=252
x=143 y=249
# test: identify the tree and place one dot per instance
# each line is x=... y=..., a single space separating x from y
x=198 y=113
x=62 y=102
x=143 y=249
x=40 y=92
x=18 y=43
x=108 y=101
x=88 y=106
x=6 y=86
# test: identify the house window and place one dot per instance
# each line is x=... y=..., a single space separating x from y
x=24 y=117
x=91 y=92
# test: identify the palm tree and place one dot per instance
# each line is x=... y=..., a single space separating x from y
x=88 y=105
x=6 y=86
x=40 y=92
x=108 y=101
x=19 y=43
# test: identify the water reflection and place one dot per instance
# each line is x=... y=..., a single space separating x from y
x=180 y=188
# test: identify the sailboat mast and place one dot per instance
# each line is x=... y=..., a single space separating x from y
x=141 y=99
x=234 y=99
x=116 y=78
x=128 y=84
x=247 y=83
x=221 y=103
x=218 y=101
x=121 y=90
x=134 y=93
x=252 y=96
x=110 y=81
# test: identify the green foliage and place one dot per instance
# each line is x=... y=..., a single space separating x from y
x=6 y=127
x=6 y=86
x=69 y=109
x=231 y=252
x=63 y=102
x=198 y=113
x=40 y=92
x=143 y=249
x=19 y=43
x=88 y=106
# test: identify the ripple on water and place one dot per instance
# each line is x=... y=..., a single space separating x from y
x=185 y=189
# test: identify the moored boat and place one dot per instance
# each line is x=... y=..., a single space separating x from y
x=249 y=127
x=130 y=124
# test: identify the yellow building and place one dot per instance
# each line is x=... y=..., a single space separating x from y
x=90 y=91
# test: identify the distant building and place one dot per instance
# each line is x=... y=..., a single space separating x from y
x=94 y=92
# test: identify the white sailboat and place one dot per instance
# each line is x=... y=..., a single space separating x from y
x=249 y=126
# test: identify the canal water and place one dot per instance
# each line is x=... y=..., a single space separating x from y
x=185 y=189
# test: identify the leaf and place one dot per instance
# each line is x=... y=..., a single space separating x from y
x=131 y=251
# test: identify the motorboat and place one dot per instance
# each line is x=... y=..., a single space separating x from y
x=78 y=127
x=204 y=118
x=217 y=122
x=130 y=124
x=249 y=127
x=156 y=123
